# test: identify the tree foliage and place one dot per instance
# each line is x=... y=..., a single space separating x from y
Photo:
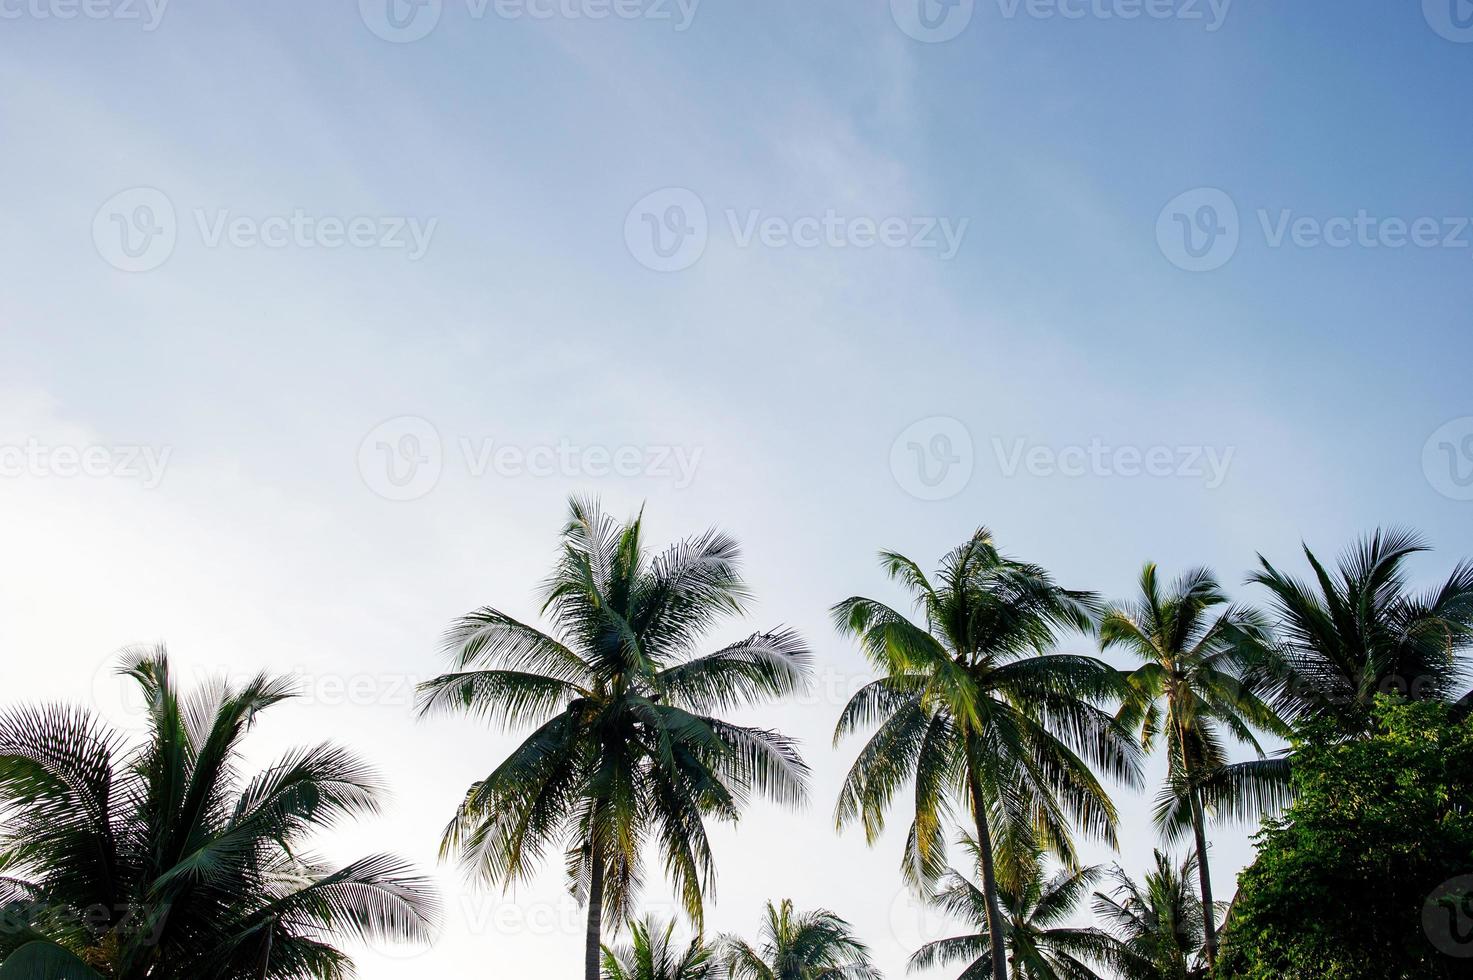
x=165 y=860
x=628 y=744
x=654 y=954
x=795 y=945
x=1366 y=876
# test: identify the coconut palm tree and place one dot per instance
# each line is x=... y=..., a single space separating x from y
x=653 y=954
x=165 y=860
x=1157 y=930
x=799 y=946
x=1361 y=631
x=1036 y=905
x=1188 y=692
x=627 y=745
x=974 y=709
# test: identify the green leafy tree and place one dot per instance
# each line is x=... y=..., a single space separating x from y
x=653 y=954
x=1367 y=876
x=1037 y=906
x=164 y=860
x=799 y=946
x=1188 y=693
x=974 y=709
x=1156 y=928
x=628 y=745
x=1361 y=631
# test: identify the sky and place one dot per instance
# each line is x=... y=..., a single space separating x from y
x=315 y=314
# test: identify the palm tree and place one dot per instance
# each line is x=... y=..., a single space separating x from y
x=1036 y=906
x=1157 y=931
x=973 y=709
x=799 y=946
x=653 y=955
x=626 y=746
x=1188 y=692
x=163 y=860
x=1361 y=631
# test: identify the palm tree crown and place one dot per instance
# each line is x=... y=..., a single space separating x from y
x=626 y=744
x=1190 y=689
x=1037 y=905
x=653 y=954
x=1157 y=928
x=163 y=860
x=972 y=707
x=799 y=946
x=1361 y=631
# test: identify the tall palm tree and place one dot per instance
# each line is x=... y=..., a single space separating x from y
x=974 y=709
x=1157 y=930
x=164 y=860
x=626 y=744
x=1361 y=631
x=653 y=954
x=1037 y=905
x=799 y=946
x=1188 y=692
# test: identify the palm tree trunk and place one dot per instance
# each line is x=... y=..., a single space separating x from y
x=593 y=949
x=995 y=927
x=1204 y=873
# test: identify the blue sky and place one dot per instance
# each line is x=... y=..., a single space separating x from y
x=790 y=379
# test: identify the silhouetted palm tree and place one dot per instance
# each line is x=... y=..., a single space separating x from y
x=653 y=954
x=1157 y=930
x=808 y=946
x=974 y=709
x=165 y=861
x=1037 y=906
x=1189 y=689
x=627 y=745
